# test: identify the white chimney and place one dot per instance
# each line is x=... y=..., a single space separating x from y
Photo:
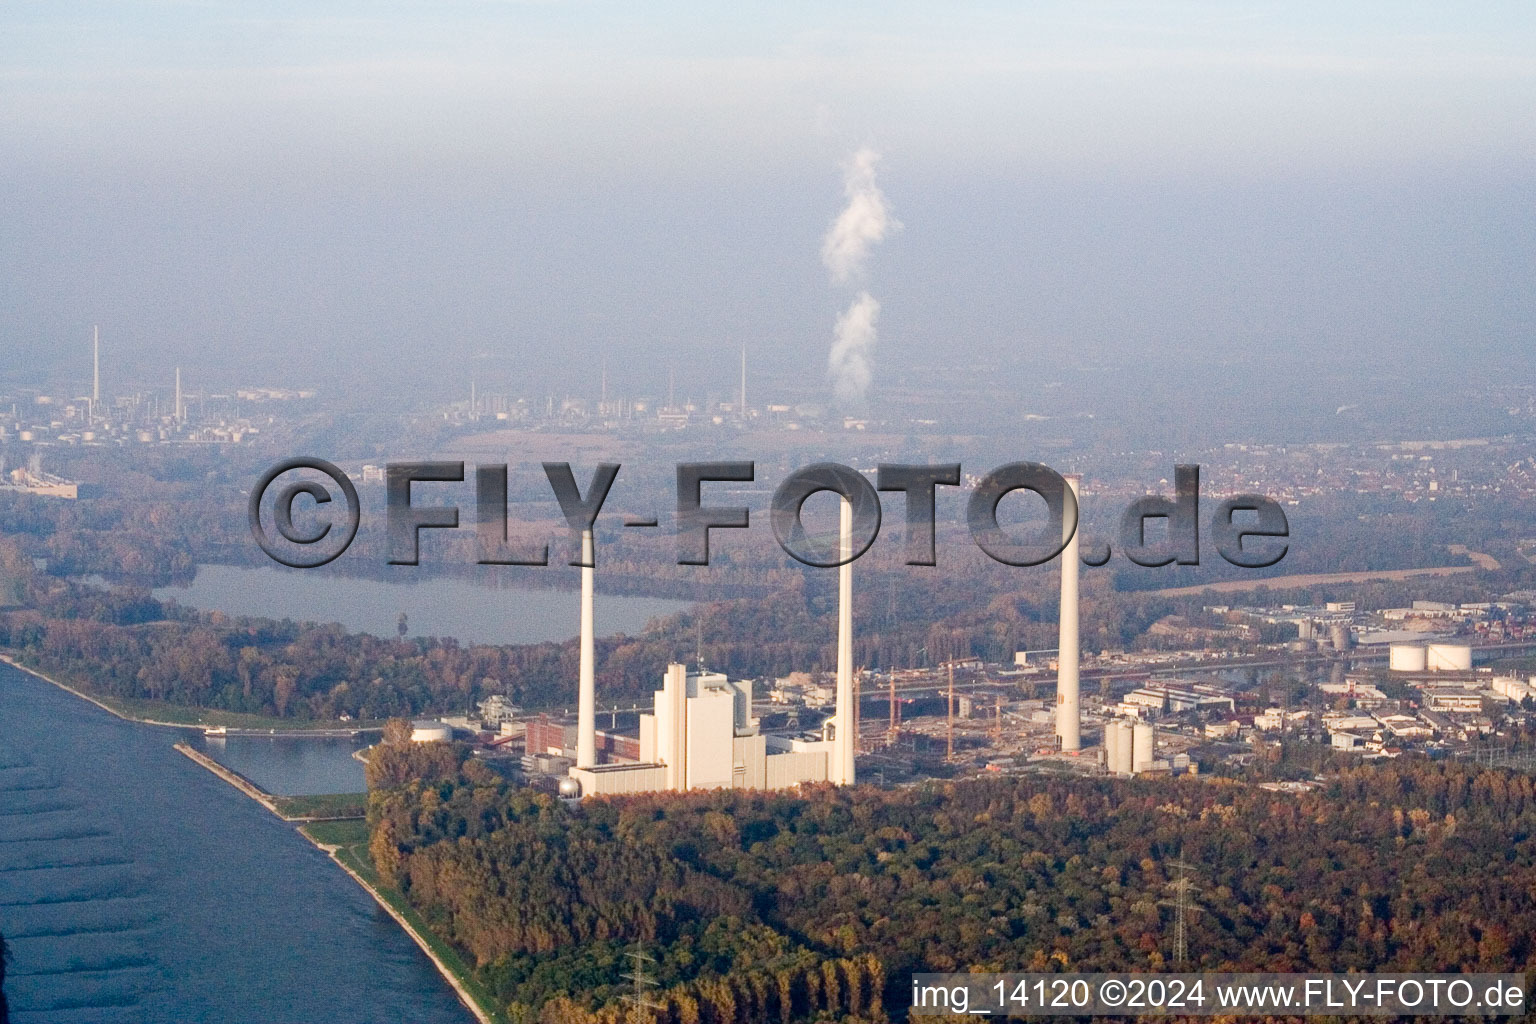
x=1068 y=711
x=95 y=370
x=586 y=708
x=841 y=770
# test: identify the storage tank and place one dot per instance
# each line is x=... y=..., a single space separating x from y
x=1343 y=640
x=1304 y=629
x=1124 y=761
x=431 y=732
x=1509 y=686
x=1406 y=658
x=1111 y=744
x=1144 y=746
x=1448 y=658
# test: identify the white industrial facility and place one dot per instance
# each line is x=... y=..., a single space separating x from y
x=1129 y=747
x=1435 y=657
x=701 y=733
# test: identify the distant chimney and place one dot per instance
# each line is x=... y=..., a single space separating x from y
x=841 y=771
x=1068 y=711
x=586 y=709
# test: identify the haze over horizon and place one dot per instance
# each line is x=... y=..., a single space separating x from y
x=349 y=194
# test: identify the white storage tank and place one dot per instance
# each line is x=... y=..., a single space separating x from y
x=1448 y=658
x=1144 y=746
x=1124 y=753
x=431 y=732
x=1406 y=658
x=1511 y=687
x=1111 y=744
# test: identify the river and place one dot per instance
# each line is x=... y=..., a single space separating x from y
x=137 y=887
x=434 y=606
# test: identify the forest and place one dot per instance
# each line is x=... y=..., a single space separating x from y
x=819 y=903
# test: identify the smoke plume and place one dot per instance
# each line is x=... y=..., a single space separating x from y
x=865 y=220
x=853 y=346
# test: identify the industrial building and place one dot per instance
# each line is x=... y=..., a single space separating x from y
x=701 y=735
x=1165 y=697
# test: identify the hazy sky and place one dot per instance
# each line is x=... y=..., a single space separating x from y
x=393 y=190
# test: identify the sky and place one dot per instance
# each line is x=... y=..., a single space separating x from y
x=422 y=192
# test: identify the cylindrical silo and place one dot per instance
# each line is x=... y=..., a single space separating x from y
x=1342 y=640
x=1406 y=658
x=1448 y=658
x=1144 y=746
x=1124 y=761
x=1111 y=743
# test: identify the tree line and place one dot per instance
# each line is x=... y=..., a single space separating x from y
x=1415 y=866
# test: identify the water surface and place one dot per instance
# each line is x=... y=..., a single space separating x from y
x=290 y=765
x=137 y=887
x=434 y=606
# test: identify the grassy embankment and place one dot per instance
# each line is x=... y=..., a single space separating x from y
x=347 y=841
x=350 y=806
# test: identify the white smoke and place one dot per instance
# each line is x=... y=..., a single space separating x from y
x=865 y=221
x=853 y=347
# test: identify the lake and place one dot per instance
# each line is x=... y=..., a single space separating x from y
x=434 y=606
x=137 y=887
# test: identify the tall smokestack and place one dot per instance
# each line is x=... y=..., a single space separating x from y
x=1068 y=712
x=95 y=370
x=178 y=395
x=743 y=382
x=586 y=708
x=841 y=771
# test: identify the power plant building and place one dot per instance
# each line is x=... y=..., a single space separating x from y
x=701 y=735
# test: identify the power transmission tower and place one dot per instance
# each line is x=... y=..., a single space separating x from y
x=1182 y=907
x=641 y=1005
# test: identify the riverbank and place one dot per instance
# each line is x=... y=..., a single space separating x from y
x=174 y=716
x=352 y=857
x=443 y=957
x=109 y=709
